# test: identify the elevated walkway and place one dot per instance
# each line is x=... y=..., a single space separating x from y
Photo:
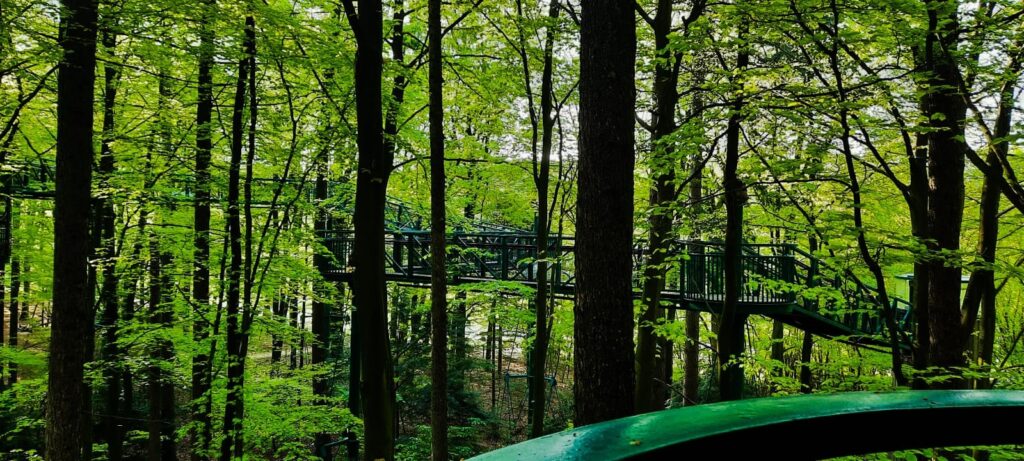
x=775 y=277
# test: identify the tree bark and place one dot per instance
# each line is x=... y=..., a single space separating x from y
x=321 y=310
x=603 y=349
x=12 y=326
x=160 y=423
x=233 y=409
x=438 y=268
x=988 y=235
x=201 y=362
x=730 y=333
x=541 y=180
x=944 y=108
x=691 y=351
x=72 y=316
x=113 y=429
x=662 y=197
x=368 y=285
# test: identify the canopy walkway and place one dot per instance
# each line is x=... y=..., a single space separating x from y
x=780 y=281
x=775 y=277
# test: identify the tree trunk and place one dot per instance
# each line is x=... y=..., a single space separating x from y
x=662 y=197
x=691 y=351
x=989 y=233
x=6 y=247
x=807 y=345
x=368 y=285
x=919 y=285
x=160 y=423
x=541 y=180
x=112 y=425
x=438 y=268
x=321 y=310
x=778 y=348
x=12 y=326
x=233 y=409
x=72 y=315
x=944 y=108
x=666 y=366
x=201 y=362
x=293 y=321
x=279 y=309
x=730 y=333
x=603 y=349
x=457 y=331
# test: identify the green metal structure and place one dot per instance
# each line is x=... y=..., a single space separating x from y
x=775 y=276
x=791 y=428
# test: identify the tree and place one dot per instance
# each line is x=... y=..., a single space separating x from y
x=438 y=273
x=603 y=350
x=232 y=443
x=944 y=108
x=368 y=285
x=71 y=330
x=201 y=361
x=730 y=333
x=663 y=194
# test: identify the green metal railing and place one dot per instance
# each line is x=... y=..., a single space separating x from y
x=801 y=427
x=767 y=273
x=774 y=277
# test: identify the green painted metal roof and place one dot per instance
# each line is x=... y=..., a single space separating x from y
x=800 y=427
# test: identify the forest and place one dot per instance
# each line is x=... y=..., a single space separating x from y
x=415 y=229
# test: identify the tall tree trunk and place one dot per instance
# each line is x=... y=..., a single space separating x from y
x=541 y=180
x=730 y=333
x=778 y=348
x=919 y=285
x=368 y=285
x=603 y=373
x=944 y=108
x=160 y=423
x=666 y=358
x=12 y=326
x=279 y=309
x=201 y=362
x=807 y=345
x=691 y=351
x=235 y=362
x=321 y=310
x=72 y=315
x=112 y=426
x=988 y=235
x=248 y=265
x=457 y=331
x=6 y=245
x=662 y=197
x=438 y=268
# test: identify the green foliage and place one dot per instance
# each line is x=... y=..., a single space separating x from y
x=21 y=421
x=463 y=442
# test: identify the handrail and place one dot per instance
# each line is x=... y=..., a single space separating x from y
x=801 y=427
x=771 y=278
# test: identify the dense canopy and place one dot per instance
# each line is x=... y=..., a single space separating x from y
x=415 y=229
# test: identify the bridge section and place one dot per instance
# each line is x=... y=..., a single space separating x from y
x=775 y=277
